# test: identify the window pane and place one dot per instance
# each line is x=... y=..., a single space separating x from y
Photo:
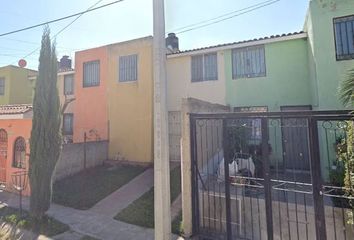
x=68 y=124
x=68 y=84
x=128 y=68
x=91 y=74
x=344 y=37
x=248 y=62
x=2 y=86
x=19 y=153
x=210 y=66
x=197 y=68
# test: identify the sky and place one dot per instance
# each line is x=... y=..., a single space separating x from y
x=131 y=19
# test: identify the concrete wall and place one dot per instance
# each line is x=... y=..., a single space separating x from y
x=180 y=85
x=72 y=158
x=286 y=81
x=191 y=105
x=130 y=107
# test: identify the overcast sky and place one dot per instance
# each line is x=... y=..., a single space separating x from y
x=133 y=19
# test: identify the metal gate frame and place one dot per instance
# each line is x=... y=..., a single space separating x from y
x=313 y=118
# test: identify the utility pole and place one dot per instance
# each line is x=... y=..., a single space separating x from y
x=161 y=154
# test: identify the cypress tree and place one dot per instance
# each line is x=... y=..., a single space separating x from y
x=45 y=141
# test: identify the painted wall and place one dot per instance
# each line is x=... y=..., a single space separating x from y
x=16 y=128
x=326 y=71
x=130 y=104
x=286 y=81
x=180 y=86
x=91 y=113
x=18 y=89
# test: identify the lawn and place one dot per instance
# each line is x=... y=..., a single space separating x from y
x=141 y=211
x=83 y=190
x=48 y=227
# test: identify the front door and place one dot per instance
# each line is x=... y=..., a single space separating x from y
x=3 y=155
x=295 y=141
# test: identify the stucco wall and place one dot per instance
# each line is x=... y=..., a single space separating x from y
x=72 y=158
x=90 y=108
x=179 y=83
x=286 y=81
x=15 y=128
x=21 y=90
x=326 y=72
x=130 y=107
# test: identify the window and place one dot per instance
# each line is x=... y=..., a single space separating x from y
x=128 y=68
x=69 y=84
x=2 y=86
x=248 y=62
x=91 y=74
x=254 y=124
x=19 y=153
x=204 y=67
x=344 y=37
x=68 y=122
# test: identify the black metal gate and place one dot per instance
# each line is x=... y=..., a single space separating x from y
x=245 y=188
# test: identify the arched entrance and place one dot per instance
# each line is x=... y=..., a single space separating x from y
x=3 y=155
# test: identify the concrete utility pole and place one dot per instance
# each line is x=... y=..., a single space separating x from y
x=161 y=154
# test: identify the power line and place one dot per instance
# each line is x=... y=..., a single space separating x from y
x=220 y=16
x=251 y=9
x=60 y=19
x=61 y=30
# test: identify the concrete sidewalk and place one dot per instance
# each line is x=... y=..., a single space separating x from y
x=120 y=199
x=88 y=222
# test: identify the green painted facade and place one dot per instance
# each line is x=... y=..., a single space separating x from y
x=286 y=81
x=18 y=87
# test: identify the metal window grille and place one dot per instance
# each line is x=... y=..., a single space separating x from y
x=204 y=67
x=128 y=68
x=19 y=153
x=91 y=74
x=68 y=84
x=2 y=86
x=68 y=122
x=344 y=37
x=248 y=62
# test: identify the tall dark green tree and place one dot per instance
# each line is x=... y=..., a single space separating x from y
x=45 y=142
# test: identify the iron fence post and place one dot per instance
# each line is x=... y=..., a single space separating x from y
x=194 y=165
x=320 y=222
x=266 y=174
x=226 y=148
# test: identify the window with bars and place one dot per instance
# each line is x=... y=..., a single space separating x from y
x=19 y=160
x=69 y=84
x=91 y=74
x=248 y=62
x=254 y=124
x=68 y=123
x=344 y=37
x=128 y=68
x=2 y=86
x=204 y=67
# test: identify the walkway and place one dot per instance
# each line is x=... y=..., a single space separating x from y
x=98 y=221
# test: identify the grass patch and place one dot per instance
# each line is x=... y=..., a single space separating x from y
x=85 y=189
x=141 y=211
x=48 y=226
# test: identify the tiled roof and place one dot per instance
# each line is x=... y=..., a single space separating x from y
x=15 y=109
x=240 y=42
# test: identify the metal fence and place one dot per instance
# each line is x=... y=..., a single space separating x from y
x=275 y=175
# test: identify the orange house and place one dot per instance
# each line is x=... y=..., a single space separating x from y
x=15 y=131
x=90 y=109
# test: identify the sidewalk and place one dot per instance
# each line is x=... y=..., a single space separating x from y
x=98 y=221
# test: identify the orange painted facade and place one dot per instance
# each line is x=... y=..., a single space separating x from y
x=15 y=128
x=90 y=109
